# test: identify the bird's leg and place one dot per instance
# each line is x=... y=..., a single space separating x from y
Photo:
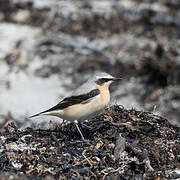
x=76 y=123
x=63 y=124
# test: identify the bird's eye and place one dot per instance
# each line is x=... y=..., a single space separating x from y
x=103 y=80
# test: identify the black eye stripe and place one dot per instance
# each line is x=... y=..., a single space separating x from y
x=106 y=79
x=103 y=80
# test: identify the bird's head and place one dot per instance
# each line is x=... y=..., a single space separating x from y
x=104 y=79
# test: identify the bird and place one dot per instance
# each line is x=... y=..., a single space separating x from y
x=87 y=101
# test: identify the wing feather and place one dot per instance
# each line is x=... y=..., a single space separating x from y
x=72 y=100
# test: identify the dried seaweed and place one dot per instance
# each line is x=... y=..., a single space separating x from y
x=121 y=144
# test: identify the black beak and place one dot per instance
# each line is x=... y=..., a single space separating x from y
x=116 y=79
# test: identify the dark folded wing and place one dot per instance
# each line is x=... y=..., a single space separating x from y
x=72 y=100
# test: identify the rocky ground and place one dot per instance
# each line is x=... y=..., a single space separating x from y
x=49 y=47
x=120 y=144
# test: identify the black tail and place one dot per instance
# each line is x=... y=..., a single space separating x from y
x=49 y=110
x=39 y=113
x=35 y=115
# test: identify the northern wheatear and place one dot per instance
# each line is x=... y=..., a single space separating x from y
x=86 y=101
